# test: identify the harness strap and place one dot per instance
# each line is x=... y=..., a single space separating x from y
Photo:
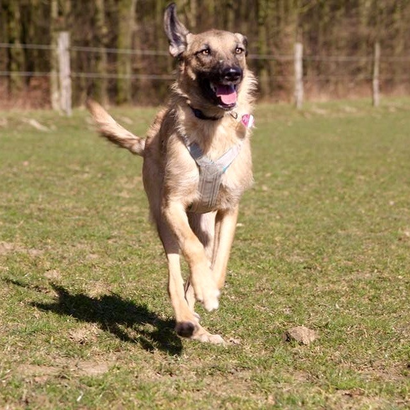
x=210 y=175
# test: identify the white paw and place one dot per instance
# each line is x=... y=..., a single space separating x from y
x=211 y=302
x=208 y=296
x=206 y=337
x=216 y=340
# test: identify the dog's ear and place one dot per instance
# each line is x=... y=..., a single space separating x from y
x=244 y=40
x=175 y=31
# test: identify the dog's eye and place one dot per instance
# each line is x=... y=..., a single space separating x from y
x=239 y=50
x=206 y=52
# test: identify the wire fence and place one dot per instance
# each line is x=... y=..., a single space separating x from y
x=280 y=57
x=305 y=61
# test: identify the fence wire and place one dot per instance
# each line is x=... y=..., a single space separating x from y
x=278 y=57
x=305 y=64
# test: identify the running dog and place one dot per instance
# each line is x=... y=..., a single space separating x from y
x=197 y=163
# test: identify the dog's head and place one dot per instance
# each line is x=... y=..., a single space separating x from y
x=212 y=64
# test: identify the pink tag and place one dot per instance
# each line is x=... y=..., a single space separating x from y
x=248 y=120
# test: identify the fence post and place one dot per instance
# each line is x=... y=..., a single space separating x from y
x=54 y=86
x=298 y=61
x=376 y=72
x=54 y=83
x=63 y=45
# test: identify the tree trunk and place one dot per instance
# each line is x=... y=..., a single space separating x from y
x=126 y=14
x=190 y=9
x=229 y=20
x=100 y=84
x=15 y=54
x=263 y=71
x=164 y=63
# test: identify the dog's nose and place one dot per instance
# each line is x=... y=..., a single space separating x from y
x=232 y=74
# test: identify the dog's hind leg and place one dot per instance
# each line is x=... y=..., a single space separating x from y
x=224 y=233
x=203 y=226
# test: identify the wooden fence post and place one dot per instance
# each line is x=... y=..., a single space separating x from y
x=54 y=86
x=63 y=45
x=54 y=83
x=376 y=72
x=298 y=61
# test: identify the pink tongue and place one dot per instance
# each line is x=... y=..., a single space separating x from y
x=227 y=94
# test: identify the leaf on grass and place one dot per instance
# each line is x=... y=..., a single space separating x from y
x=300 y=334
x=35 y=124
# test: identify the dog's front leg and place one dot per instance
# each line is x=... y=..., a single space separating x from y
x=224 y=234
x=203 y=282
x=187 y=323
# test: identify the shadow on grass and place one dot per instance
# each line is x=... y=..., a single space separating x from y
x=122 y=318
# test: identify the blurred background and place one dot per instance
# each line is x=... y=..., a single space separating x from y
x=116 y=50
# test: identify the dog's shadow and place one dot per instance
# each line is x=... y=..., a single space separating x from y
x=124 y=319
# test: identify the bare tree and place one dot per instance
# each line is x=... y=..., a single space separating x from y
x=126 y=19
x=15 y=54
x=100 y=33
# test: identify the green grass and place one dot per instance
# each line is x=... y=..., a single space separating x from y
x=323 y=241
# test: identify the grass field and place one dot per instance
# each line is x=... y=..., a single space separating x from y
x=323 y=241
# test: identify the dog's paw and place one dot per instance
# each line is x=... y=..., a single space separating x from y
x=209 y=298
x=185 y=329
x=211 y=301
x=207 y=294
x=205 y=337
x=216 y=340
x=192 y=331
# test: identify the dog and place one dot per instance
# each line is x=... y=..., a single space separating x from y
x=196 y=163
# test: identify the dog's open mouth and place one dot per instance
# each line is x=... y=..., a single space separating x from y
x=226 y=95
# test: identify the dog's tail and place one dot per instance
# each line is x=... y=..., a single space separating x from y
x=110 y=129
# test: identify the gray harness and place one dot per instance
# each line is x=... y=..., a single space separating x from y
x=210 y=175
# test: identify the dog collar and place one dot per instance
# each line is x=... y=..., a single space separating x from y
x=199 y=114
x=247 y=120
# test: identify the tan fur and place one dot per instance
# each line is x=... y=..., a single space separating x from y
x=171 y=176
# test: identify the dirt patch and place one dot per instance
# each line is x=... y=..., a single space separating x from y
x=92 y=368
x=6 y=247
x=354 y=399
x=9 y=247
x=36 y=370
x=98 y=289
x=53 y=274
x=41 y=374
x=84 y=334
x=38 y=374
